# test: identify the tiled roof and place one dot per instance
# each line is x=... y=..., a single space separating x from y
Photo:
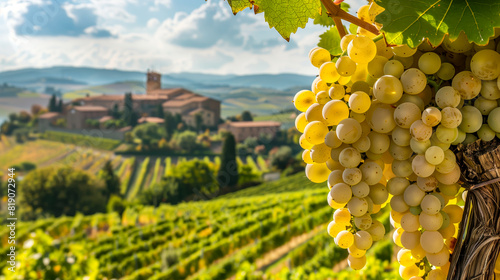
x=48 y=115
x=150 y=120
x=90 y=108
x=255 y=124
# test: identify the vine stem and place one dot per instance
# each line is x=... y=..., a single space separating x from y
x=336 y=13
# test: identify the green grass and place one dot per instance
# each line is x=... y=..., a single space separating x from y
x=139 y=181
x=82 y=140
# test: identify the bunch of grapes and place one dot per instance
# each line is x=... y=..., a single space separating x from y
x=378 y=124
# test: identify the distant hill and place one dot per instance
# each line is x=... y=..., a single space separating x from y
x=65 y=78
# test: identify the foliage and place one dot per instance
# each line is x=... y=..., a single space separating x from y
x=186 y=141
x=60 y=191
x=81 y=140
x=228 y=170
x=111 y=181
x=24 y=166
x=246 y=116
x=149 y=135
x=116 y=204
x=282 y=158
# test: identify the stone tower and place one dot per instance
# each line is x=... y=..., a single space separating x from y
x=153 y=82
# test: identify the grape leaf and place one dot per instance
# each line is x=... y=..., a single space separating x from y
x=408 y=21
x=288 y=15
x=330 y=40
x=239 y=5
x=323 y=19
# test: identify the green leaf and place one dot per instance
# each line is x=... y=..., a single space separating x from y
x=323 y=19
x=330 y=40
x=239 y=5
x=288 y=15
x=408 y=21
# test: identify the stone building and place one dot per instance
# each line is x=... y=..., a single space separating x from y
x=243 y=130
x=77 y=116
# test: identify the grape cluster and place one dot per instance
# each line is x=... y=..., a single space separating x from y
x=378 y=124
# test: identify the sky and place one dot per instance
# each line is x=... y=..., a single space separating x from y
x=165 y=35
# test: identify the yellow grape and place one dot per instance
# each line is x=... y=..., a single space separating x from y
x=356 y=252
x=306 y=157
x=344 y=239
x=317 y=173
x=315 y=132
x=303 y=99
x=319 y=56
x=361 y=50
x=334 y=228
x=344 y=42
x=335 y=111
x=356 y=263
x=342 y=216
x=403 y=51
x=328 y=72
x=345 y=66
x=388 y=89
x=336 y=92
x=319 y=85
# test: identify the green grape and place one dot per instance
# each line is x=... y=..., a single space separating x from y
x=377 y=230
x=467 y=84
x=349 y=157
x=401 y=168
x=357 y=116
x=400 y=152
x=363 y=240
x=344 y=42
x=357 y=206
x=397 y=185
x=485 y=133
x=429 y=63
x=427 y=184
x=363 y=144
x=301 y=122
x=345 y=66
x=349 y=130
x=315 y=113
x=372 y=173
x=360 y=190
x=446 y=135
x=360 y=86
x=431 y=241
x=419 y=147
x=434 y=155
x=420 y=131
x=436 y=142
x=447 y=97
x=421 y=167
x=341 y=193
x=315 y=132
x=379 y=143
x=359 y=102
x=364 y=222
x=413 y=81
x=415 y=99
x=335 y=111
x=322 y=97
x=494 y=120
x=317 y=173
x=319 y=56
x=472 y=119
x=303 y=99
x=446 y=71
x=398 y=204
x=448 y=163
x=485 y=106
x=460 y=138
x=331 y=140
x=344 y=239
x=451 y=117
x=413 y=195
x=403 y=51
x=406 y=113
x=376 y=66
x=318 y=85
x=490 y=90
x=394 y=68
x=336 y=92
x=335 y=153
x=450 y=177
x=328 y=72
x=320 y=153
x=381 y=118
x=401 y=136
x=459 y=45
x=335 y=177
x=469 y=138
x=431 y=116
x=378 y=194
x=361 y=49
x=430 y=204
x=388 y=89
x=439 y=259
x=485 y=64
x=430 y=222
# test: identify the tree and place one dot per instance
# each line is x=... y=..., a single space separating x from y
x=159 y=111
x=60 y=106
x=198 y=119
x=52 y=104
x=170 y=124
x=116 y=204
x=228 y=171
x=186 y=140
x=115 y=112
x=35 y=109
x=282 y=158
x=149 y=134
x=246 y=116
x=111 y=180
x=129 y=115
x=57 y=191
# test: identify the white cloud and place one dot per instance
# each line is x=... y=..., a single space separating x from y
x=153 y=23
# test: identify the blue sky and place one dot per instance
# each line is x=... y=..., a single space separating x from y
x=167 y=35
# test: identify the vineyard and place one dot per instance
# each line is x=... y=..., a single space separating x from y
x=136 y=173
x=281 y=231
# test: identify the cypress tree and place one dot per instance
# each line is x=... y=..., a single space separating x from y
x=60 y=106
x=228 y=171
x=159 y=111
x=52 y=104
x=246 y=116
x=107 y=174
x=170 y=124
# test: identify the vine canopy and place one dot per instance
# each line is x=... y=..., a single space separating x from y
x=403 y=21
